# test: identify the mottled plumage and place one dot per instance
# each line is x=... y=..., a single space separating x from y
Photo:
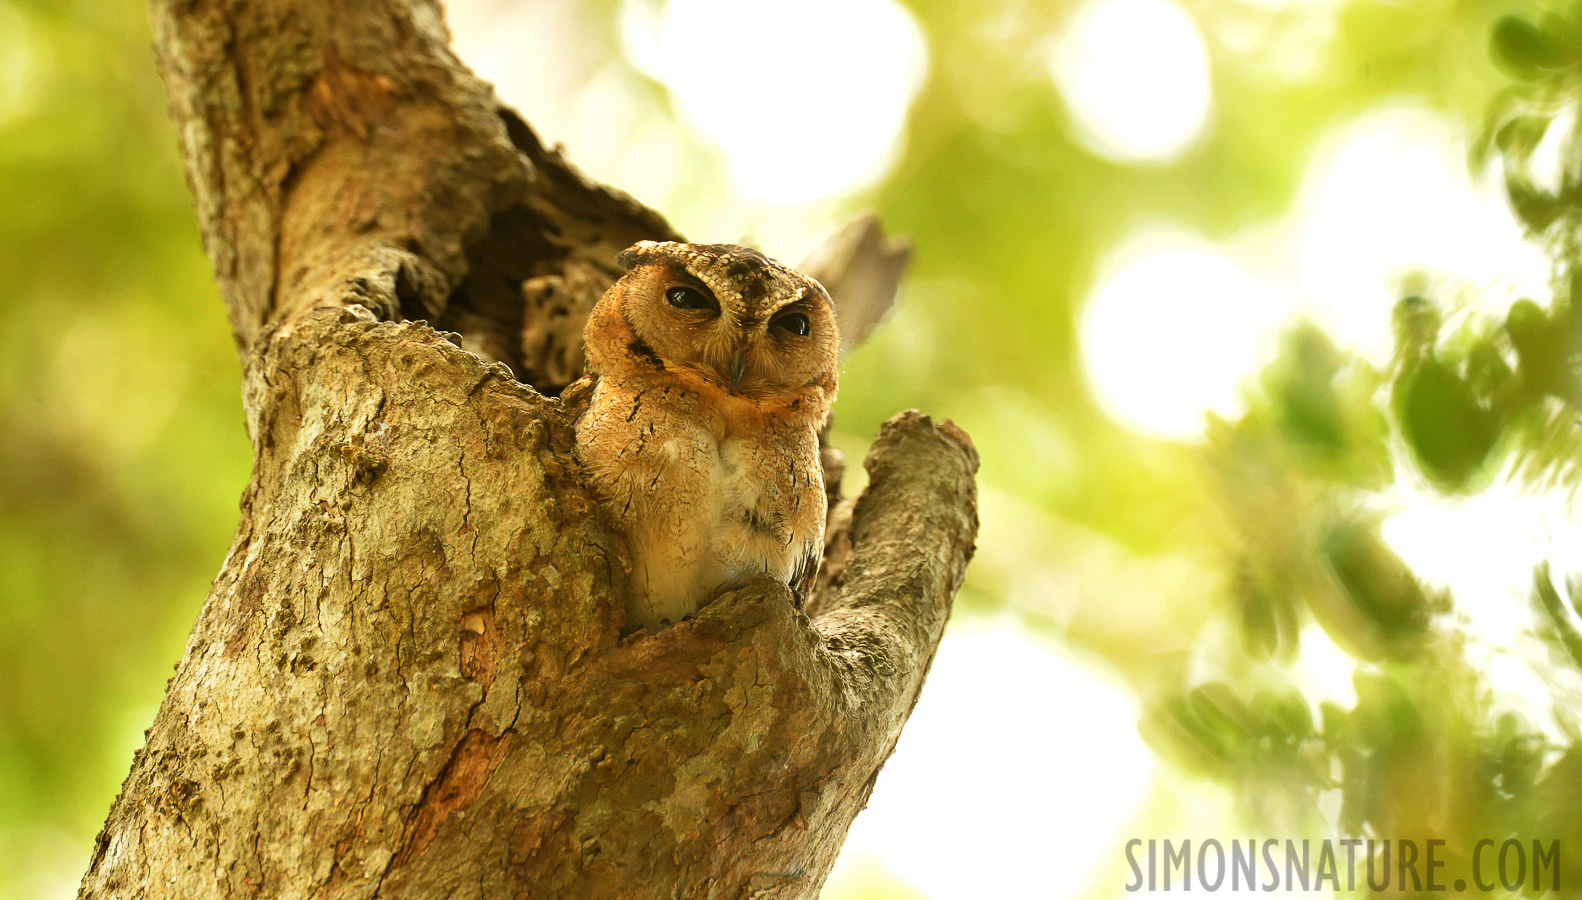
x=714 y=369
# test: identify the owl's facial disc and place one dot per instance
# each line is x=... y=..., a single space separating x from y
x=732 y=317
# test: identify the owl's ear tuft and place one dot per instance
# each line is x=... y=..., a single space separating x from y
x=637 y=253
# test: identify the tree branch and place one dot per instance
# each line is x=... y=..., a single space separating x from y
x=285 y=108
x=408 y=679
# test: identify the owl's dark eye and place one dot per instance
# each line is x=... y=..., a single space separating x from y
x=689 y=298
x=796 y=323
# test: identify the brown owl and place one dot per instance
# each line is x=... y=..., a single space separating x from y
x=714 y=368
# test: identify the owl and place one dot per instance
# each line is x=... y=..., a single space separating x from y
x=713 y=370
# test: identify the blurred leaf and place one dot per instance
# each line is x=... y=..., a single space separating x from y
x=1285 y=713
x=1216 y=707
x=1173 y=731
x=1447 y=430
x=1520 y=136
x=1527 y=51
x=1561 y=630
x=1269 y=625
x=1302 y=383
x=1521 y=763
x=1376 y=580
x=1538 y=209
x=1415 y=322
x=1545 y=349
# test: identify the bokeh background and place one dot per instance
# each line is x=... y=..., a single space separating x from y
x=1259 y=311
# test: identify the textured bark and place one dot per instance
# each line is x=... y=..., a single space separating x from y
x=409 y=679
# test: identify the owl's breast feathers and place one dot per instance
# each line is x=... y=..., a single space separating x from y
x=708 y=488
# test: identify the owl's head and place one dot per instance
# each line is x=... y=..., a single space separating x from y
x=727 y=314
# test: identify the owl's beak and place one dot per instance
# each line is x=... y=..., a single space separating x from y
x=736 y=367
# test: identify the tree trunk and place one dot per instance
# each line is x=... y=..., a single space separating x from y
x=409 y=678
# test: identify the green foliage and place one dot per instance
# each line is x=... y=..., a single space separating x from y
x=122 y=452
x=1426 y=749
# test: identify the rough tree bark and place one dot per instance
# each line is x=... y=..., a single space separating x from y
x=409 y=678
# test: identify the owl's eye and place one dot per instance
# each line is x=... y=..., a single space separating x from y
x=796 y=323
x=689 y=298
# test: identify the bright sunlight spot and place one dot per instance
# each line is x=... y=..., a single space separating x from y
x=1484 y=549
x=805 y=100
x=1483 y=545
x=1169 y=331
x=1324 y=671
x=1547 y=164
x=1007 y=734
x=1134 y=75
x=1387 y=195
